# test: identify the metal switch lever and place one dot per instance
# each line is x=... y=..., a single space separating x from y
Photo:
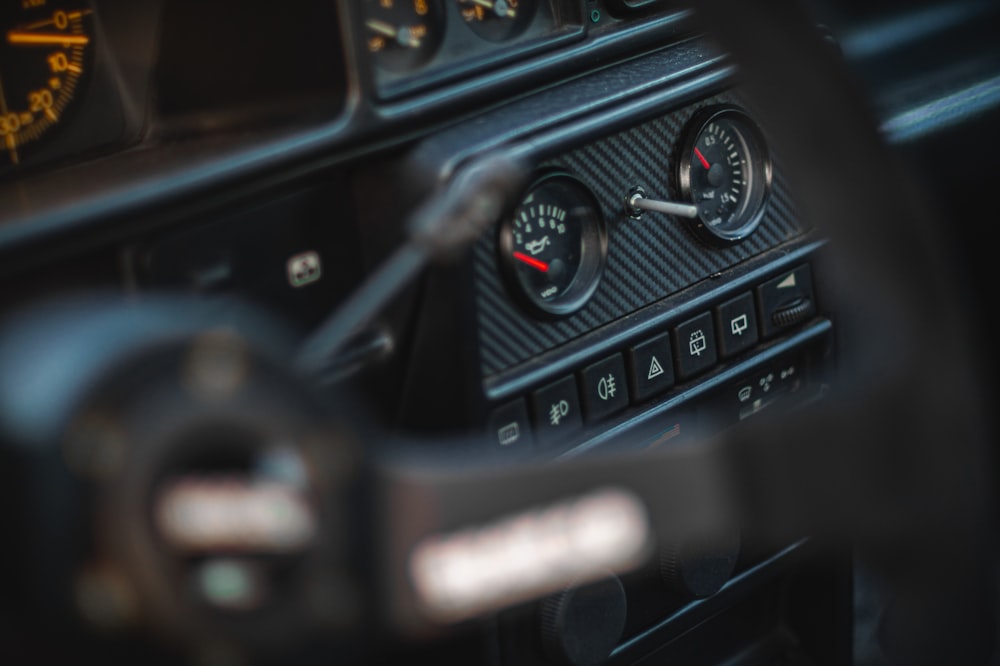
x=636 y=202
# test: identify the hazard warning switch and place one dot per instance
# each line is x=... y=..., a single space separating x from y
x=651 y=368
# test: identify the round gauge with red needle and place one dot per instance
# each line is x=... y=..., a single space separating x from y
x=725 y=170
x=552 y=249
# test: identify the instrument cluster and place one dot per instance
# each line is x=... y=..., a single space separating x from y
x=84 y=79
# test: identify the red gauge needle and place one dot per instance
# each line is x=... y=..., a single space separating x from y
x=534 y=263
x=701 y=158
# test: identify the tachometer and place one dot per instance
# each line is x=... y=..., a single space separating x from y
x=553 y=248
x=43 y=59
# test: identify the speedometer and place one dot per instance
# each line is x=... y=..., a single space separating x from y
x=43 y=58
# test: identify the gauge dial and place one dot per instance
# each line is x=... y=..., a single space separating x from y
x=497 y=20
x=552 y=249
x=43 y=58
x=725 y=170
x=403 y=34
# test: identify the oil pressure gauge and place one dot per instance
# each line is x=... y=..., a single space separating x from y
x=552 y=249
x=725 y=171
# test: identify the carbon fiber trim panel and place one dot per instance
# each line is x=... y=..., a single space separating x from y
x=648 y=259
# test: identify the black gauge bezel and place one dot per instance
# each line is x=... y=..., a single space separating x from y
x=760 y=171
x=593 y=255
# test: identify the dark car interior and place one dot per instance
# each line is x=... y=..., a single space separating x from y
x=499 y=332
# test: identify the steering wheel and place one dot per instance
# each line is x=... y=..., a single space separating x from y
x=898 y=459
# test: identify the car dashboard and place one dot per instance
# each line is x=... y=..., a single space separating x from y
x=293 y=294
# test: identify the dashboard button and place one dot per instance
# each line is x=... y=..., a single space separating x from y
x=786 y=300
x=737 y=321
x=651 y=367
x=694 y=346
x=605 y=390
x=557 y=410
x=509 y=428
